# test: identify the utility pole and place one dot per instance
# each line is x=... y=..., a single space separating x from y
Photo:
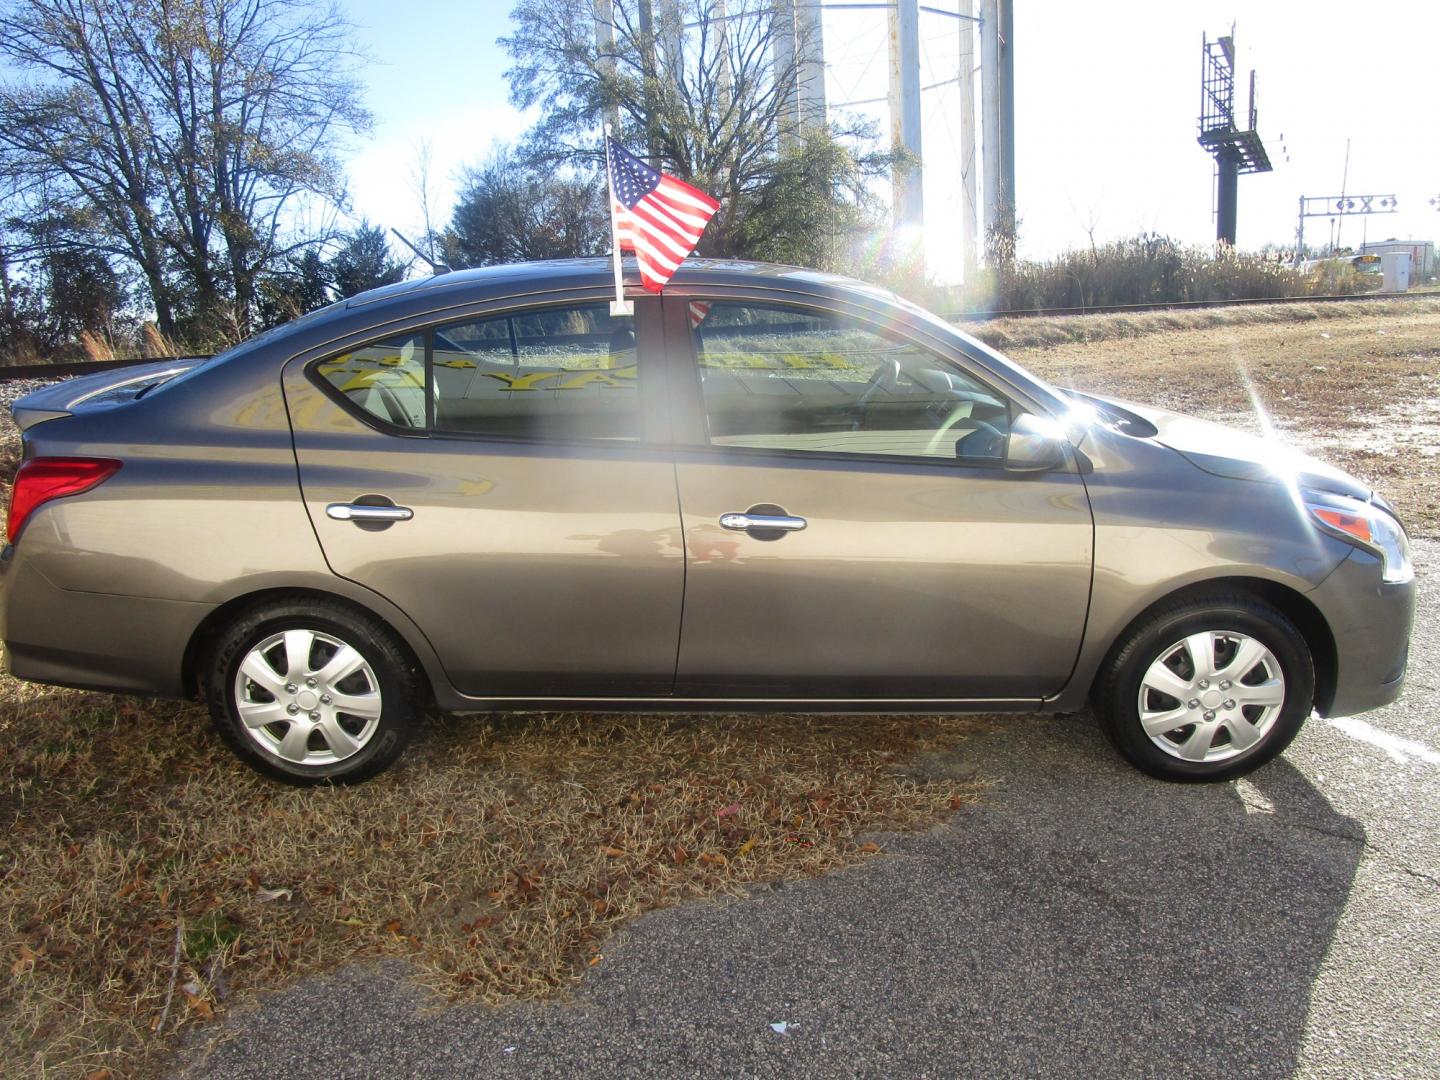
x=726 y=75
x=646 y=18
x=810 y=69
x=1007 y=111
x=997 y=103
x=670 y=36
x=969 y=218
x=782 y=65
x=605 y=47
x=905 y=111
x=797 y=51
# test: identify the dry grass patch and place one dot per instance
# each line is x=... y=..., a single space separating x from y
x=146 y=878
x=1035 y=331
x=1360 y=390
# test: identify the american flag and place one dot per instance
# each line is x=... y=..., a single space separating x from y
x=656 y=216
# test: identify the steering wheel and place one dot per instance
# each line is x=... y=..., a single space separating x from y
x=884 y=378
x=952 y=416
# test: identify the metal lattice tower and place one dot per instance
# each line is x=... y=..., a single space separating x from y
x=1236 y=150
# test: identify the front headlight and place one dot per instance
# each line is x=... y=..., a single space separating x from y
x=1366 y=526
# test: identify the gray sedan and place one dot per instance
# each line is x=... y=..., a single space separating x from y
x=768 y=488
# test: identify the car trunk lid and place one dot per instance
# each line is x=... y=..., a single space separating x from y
x=104 y=389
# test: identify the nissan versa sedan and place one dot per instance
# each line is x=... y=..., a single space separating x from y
x=768 y=488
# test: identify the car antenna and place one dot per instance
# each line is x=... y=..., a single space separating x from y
x=436 y=268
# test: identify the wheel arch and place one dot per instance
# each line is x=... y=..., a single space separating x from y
x=1294 y=605
x=209 y=628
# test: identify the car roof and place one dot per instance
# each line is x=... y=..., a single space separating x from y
x=500 y=280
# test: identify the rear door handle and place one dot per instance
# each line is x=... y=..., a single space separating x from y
x=745 y=522
x=362 y=512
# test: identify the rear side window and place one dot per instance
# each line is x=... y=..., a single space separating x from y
x=556 y=373
x=386 y=380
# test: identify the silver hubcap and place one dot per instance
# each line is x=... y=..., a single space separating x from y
x=1212 y=696
x=308 y=698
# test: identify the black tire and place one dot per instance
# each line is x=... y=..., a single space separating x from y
x=399 y=682
x=1117 y=691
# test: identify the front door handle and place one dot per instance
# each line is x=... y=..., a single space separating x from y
x=746 y=522
x=362 y=512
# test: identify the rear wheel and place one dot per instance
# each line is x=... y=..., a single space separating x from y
x=311 y=691
x=1208 y=689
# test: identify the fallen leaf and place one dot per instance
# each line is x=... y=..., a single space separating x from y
x=25 y=963
x=197 y=1003
x=394 y=926
x=350 y=920
x=679 y=855
x=869 y=847
x=596 y=959
x=100 y=1074
x=713 y=860
x=727 y=811
x=747 y=847
x=612 y=852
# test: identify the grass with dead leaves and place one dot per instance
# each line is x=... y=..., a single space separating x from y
x=146 y=878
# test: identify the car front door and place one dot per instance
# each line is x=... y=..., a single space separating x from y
x=851 y=531
x=503 y=479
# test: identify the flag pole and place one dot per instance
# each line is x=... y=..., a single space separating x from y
x=618 y=306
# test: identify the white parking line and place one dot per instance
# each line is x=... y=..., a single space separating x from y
x=1401 y=751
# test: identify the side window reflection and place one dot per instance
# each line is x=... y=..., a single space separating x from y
x=789 y=379
x=552 y=373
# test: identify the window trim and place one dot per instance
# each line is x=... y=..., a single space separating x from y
x=654 y=380
x=698 y=418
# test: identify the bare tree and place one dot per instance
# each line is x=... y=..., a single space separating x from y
x=189 y=127
x=511 y=212
x=422 y=186
x=697 y=85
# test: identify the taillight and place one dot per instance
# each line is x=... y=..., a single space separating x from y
x=44 y=478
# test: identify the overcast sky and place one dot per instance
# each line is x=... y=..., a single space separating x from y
x=1107 y=96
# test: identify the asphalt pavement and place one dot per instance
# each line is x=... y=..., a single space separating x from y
x=1081 y=920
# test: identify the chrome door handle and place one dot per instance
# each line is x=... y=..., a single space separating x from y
x=744 y=522
x=362 y=512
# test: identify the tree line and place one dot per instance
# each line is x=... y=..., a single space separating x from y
x=180 y=162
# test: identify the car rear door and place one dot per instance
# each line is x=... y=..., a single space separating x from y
x=840 y=544
x=503 y=478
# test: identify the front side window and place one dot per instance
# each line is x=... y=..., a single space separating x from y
x=555 y=373
x=792 y=379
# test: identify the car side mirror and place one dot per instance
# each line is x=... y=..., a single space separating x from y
x=1035 y=444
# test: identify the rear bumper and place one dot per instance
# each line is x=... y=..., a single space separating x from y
x=95 y=641
x=1371 y=624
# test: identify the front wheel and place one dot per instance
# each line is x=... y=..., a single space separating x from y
x=1207 y=690
x=308 y=692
